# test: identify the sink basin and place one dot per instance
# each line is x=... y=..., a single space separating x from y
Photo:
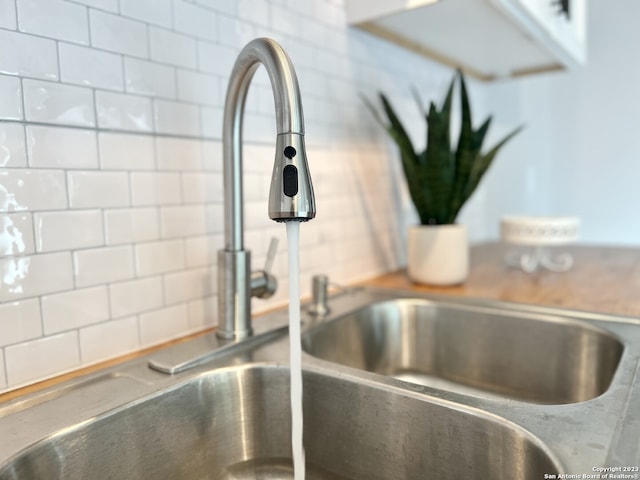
x=220 y=410
x=234 y=423
x=474 y=350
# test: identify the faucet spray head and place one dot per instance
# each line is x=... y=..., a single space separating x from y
x=291 y=195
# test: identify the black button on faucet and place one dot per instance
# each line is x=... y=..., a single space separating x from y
x=289 y=152
x=290 y=180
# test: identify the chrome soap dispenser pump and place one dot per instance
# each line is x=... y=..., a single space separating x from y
x=291 y=195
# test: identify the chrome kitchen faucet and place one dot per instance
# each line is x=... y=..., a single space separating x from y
x=291 y=195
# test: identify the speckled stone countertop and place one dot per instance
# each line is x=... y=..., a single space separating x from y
x=602 y=279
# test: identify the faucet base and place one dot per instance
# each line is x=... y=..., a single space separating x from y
x=234 y=294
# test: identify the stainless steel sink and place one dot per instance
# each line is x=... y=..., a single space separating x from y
x=472 y=349
x=235 y=424
x=227 y=415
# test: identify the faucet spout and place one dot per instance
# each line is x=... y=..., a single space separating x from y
x=291 y=196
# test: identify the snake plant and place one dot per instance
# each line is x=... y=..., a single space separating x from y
x=441 y=179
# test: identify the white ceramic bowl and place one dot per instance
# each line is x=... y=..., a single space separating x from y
x=526 y=230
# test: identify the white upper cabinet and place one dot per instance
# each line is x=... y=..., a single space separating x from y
x=488 y=39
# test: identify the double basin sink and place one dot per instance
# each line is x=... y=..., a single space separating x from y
x=396 y=386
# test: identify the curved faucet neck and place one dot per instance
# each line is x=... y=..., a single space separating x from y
x=289 y=119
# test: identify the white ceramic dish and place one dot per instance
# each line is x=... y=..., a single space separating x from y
x=539 y=231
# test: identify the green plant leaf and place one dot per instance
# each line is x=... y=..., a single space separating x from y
x=439 y=164
x=395 y=124
x=374 y=111
x=409 y=159
x=483 y=162
x=446 y=109
x=465 y=153
x=416 y=96
x=466 y=158
x=440 y=180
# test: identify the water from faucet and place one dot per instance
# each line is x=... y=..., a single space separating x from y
x=295 y=349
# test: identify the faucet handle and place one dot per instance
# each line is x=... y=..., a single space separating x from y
x=263 y=283
x=271 y=254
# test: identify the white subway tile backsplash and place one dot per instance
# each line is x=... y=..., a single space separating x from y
x=194 y=20
x=55 y=19
x=172 y=48
x=215 y=218
x=24 y=277
x=256 y=186
x=178 y=154
x=176 y=118
x=90 y=67
x=136 y=296
x=202 y=188
x=14 y=271
x=159 y=257
x=189 y=285
x=203 y=313
x=213 y=58
x=162 y=325
x=254 y=11
x=258 y=159
x=8 y=17
x=223 y=6
x=103 y=265
x=28 y=56
x=313 y=85
x=234 y=31
x=11 y=98
x=20 y=321
x=16 y=234
x=283 y=19
x=334 y=15
x=109 y=339
x=108 y=5
x=120 y=151
x=75 y=309
x=203 y=251
x=50 y=102
x=98 y=189
x=197 y=87
x=212 y=153
x=13 y=150
x=37 y=359
x=118 y=34
x=149 y=78
x=54 y=147
x=131 y=225
x=254 y=217
x=32 y=190
x=124 y=112
x=183 y=221
x=158 y=12
x=111 y=165
x=68 y=230
x=153 y=188
x=211 y=120
x=259 y=128
x=264 y=101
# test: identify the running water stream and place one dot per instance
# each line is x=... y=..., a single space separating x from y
x=295 y=349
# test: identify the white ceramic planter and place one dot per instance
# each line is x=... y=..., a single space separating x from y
x=438 y=254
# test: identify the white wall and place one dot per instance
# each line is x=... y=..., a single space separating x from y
x=110 y=166
x=580 y=152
